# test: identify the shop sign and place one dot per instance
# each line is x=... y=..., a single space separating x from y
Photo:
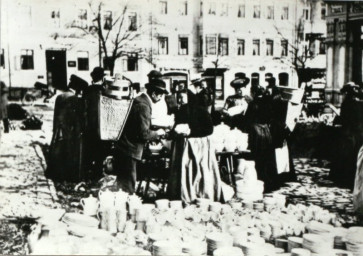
x=336 y=8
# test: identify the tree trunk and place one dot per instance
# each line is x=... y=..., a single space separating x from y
x=112 y=66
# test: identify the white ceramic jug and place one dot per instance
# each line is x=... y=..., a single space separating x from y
x=90 y=205
x=107 y=199
x=121 y=198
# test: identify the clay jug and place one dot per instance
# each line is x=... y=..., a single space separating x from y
x=107 y=199
x=90 y=205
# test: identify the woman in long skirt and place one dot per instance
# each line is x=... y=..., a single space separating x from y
x=194 y=169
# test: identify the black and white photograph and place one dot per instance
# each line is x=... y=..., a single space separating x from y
x=181 y=127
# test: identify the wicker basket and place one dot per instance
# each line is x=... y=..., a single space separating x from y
x=113 y=114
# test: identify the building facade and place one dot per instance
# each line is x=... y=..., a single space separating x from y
x=344 y=46
x=49 y=40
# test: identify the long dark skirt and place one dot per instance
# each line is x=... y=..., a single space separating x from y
x=194 y=171
x=263 y=153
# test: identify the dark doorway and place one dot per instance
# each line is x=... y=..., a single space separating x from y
x=56 y=69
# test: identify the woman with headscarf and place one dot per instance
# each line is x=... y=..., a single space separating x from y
x=194 y=169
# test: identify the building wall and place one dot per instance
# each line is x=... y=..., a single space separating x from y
x=31 y=27
x=344 y=43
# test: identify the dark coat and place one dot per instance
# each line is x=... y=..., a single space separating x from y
x=3 y=100
x=91 y=96
x=196 y=116
x=64 y=162
x=137 y=128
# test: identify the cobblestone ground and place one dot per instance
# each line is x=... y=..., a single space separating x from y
x=23 y=188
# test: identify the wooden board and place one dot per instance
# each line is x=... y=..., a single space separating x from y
x=113 y=115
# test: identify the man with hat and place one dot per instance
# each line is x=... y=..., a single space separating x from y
x=95 y=149
x=203 y=96
x=238 y=101
x=136 y=133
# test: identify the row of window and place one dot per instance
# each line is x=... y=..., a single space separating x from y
x=27 y=60
x=240 y=12
x=82 y=19
x=212 y=42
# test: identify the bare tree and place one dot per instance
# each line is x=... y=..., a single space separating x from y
x=300 y=50
x=116 y=32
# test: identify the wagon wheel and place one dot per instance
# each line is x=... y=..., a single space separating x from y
x=28 y=99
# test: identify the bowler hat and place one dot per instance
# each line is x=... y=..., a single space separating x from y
x=98 y=72
x=197 y=81
x=349 y=87
x=154 y=74
x=158 y=85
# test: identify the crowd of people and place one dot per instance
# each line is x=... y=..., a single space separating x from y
x=77 y=152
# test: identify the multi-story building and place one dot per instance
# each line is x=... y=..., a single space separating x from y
x=345 y=46
x=183 y=39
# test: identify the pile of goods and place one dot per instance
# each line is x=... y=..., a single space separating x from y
x=225 y=139
x=119 y=224
x=248 y=187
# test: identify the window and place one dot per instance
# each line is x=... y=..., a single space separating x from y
x=163 y=7
x=284 y=48
x=285 y=13
x=256 y=47
x=223 y=46
x=256 y=11
x=82 y=60
x=306 y=14
x=201 y=45
x=269 y=47
x=201 y=9
x=183 y=46
x=132 y=22
x=212 y=8
x=323 y=12
x=284 y=79
x=108 y=20
x=163 y=47
x=241 y=11
x=183 y=9
x=55 y=16
x=224 y=9
x=27 y=59
x=240 y=47
x=131 y=62
x=322 y=47
x=211 y=45
x=2 y=58
x=255 y=79
x=270 y=12
x=82 y=18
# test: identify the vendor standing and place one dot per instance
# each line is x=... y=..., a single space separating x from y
x=350 y=140
x=94 y=153
x=194 y=171
x=65 y=150
x=236 y=105
x=136 y=133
